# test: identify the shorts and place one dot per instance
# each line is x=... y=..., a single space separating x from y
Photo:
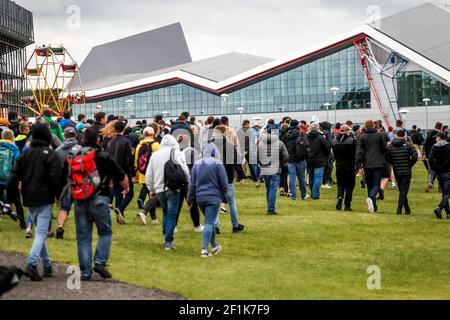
x=66 y=203
x=387 y=170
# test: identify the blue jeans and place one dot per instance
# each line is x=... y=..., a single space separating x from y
x=96 y=210
x=272 y=184
x=315 y=181
x=256 y=172
x=211 y=211
x=297 y=170
x=122 y=202
x=231 y=199
x=444 y=184
x=169 y=201
x=41 y=217
x=373 y=178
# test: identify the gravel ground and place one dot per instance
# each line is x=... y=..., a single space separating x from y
x=55 y=288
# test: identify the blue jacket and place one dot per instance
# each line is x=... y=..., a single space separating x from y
x=14 y=149
x=209 y=182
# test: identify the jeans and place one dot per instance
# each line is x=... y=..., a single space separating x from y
x=403 y=184
x=297 y=170
x=17 y=203
x=346 y=181
x=169 y=203
x=272 y=183
x=231 y=200
x=121 y=201
x=150 y=205
x=256 y=172
x=96 y=210
x=41 y=217
x=373 y=180
x=315 y=181
x=444 y=184
x=211 y=211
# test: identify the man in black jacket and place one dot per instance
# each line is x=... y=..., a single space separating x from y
x=96 y=210
x=38 y=170
x=403 y=156
x=319 y=153
x=296 y=167
x=440 y=163
x=429 y=143
x=370 y=160
x=344 y=150
x=121 y=152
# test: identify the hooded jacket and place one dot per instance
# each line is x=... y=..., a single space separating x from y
x=39 y=170
x=371 y=150
x=155 y=147
x=320 y=149
x=21 y=141
x=63 y=150
x=344 y=151
x=439 y=158
x=15 y=153
x=121 y=151
x=209 y=182
x=65 y=123
x=289 y=139
x=55 y=128
x=230 y=158
x=272 y=154
x=402 y=155
x=155 y=172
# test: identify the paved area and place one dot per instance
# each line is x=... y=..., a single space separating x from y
x=56 y=287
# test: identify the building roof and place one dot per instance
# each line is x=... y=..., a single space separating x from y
x=424 y=29
x=227 y=72
x=139 y=54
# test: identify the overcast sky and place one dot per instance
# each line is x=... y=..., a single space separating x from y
x=212 y=27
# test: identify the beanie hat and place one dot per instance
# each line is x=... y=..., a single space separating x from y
x=42 y=132
x=294 y=123
x=119 y=127
x=149 y=131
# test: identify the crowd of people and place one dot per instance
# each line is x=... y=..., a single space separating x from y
x=95 y=165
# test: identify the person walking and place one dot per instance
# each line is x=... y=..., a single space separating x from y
x=402 y=155
x=159 y=184
x=144 y=151
x=55 y=128
x=70 y=144
x=344 y=150
x=92 y=204
x=272 y=156
x=209 y=185
x=439 y=161
x=430 y=141
x=318 y=156
x=370 y=160
x=121 y=152
x=21 y=139
x=38 y=171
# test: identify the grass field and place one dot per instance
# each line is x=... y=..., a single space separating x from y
x=308 y=251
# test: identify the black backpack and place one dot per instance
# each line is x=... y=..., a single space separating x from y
x=174 y=177
x=302 y=149
x=9 y=278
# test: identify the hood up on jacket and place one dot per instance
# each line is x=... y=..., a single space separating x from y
x=211 y=151
x=10 y=145
x=169 y=142
x=69 y=143
x=268 y=138
x=398 y=142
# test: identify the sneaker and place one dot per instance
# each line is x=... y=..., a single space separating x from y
x=348 y=209
x=258 y=185
x=175 y=230
x=271 y=213
x=370 y=205
x=32 y=273
x=198 y=229
x=140 y=204
x=217 y=230
x=239 y=228
x=28 y=235
x=306 y=197
x=339 y=203
x=119 y=216
x=223 y=210
x=102 y=271
x=51 y=234
x=428 y=187
x=142 y=218
x=381 y=195
x=282 y=193
x=48 y=272
x=85 y=278
x=325 y=186
x=408 y=212
x=438 y=213
x=289 y=195
x=393 y=187
x=60 y=233
x=217 y=249
x=205 y=254
x=154 y=221
x=169 y=247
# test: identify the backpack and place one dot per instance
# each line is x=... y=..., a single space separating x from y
x=174 y=177
x=84 y=179
x=9 y=278
x=6 y=163
x=302 y=149
x=145 y=152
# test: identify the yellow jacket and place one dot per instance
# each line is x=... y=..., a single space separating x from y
x=155 y=147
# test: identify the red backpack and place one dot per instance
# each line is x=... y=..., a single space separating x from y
x=84 y=179
x=145 y=152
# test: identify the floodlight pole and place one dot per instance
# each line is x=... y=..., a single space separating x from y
x=335 y=90
x=426 y=101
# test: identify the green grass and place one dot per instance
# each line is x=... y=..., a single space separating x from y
x=308 y=251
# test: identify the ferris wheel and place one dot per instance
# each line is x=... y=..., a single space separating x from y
x=50 y=73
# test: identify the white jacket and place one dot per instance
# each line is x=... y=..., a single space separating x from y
x=154 y=176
